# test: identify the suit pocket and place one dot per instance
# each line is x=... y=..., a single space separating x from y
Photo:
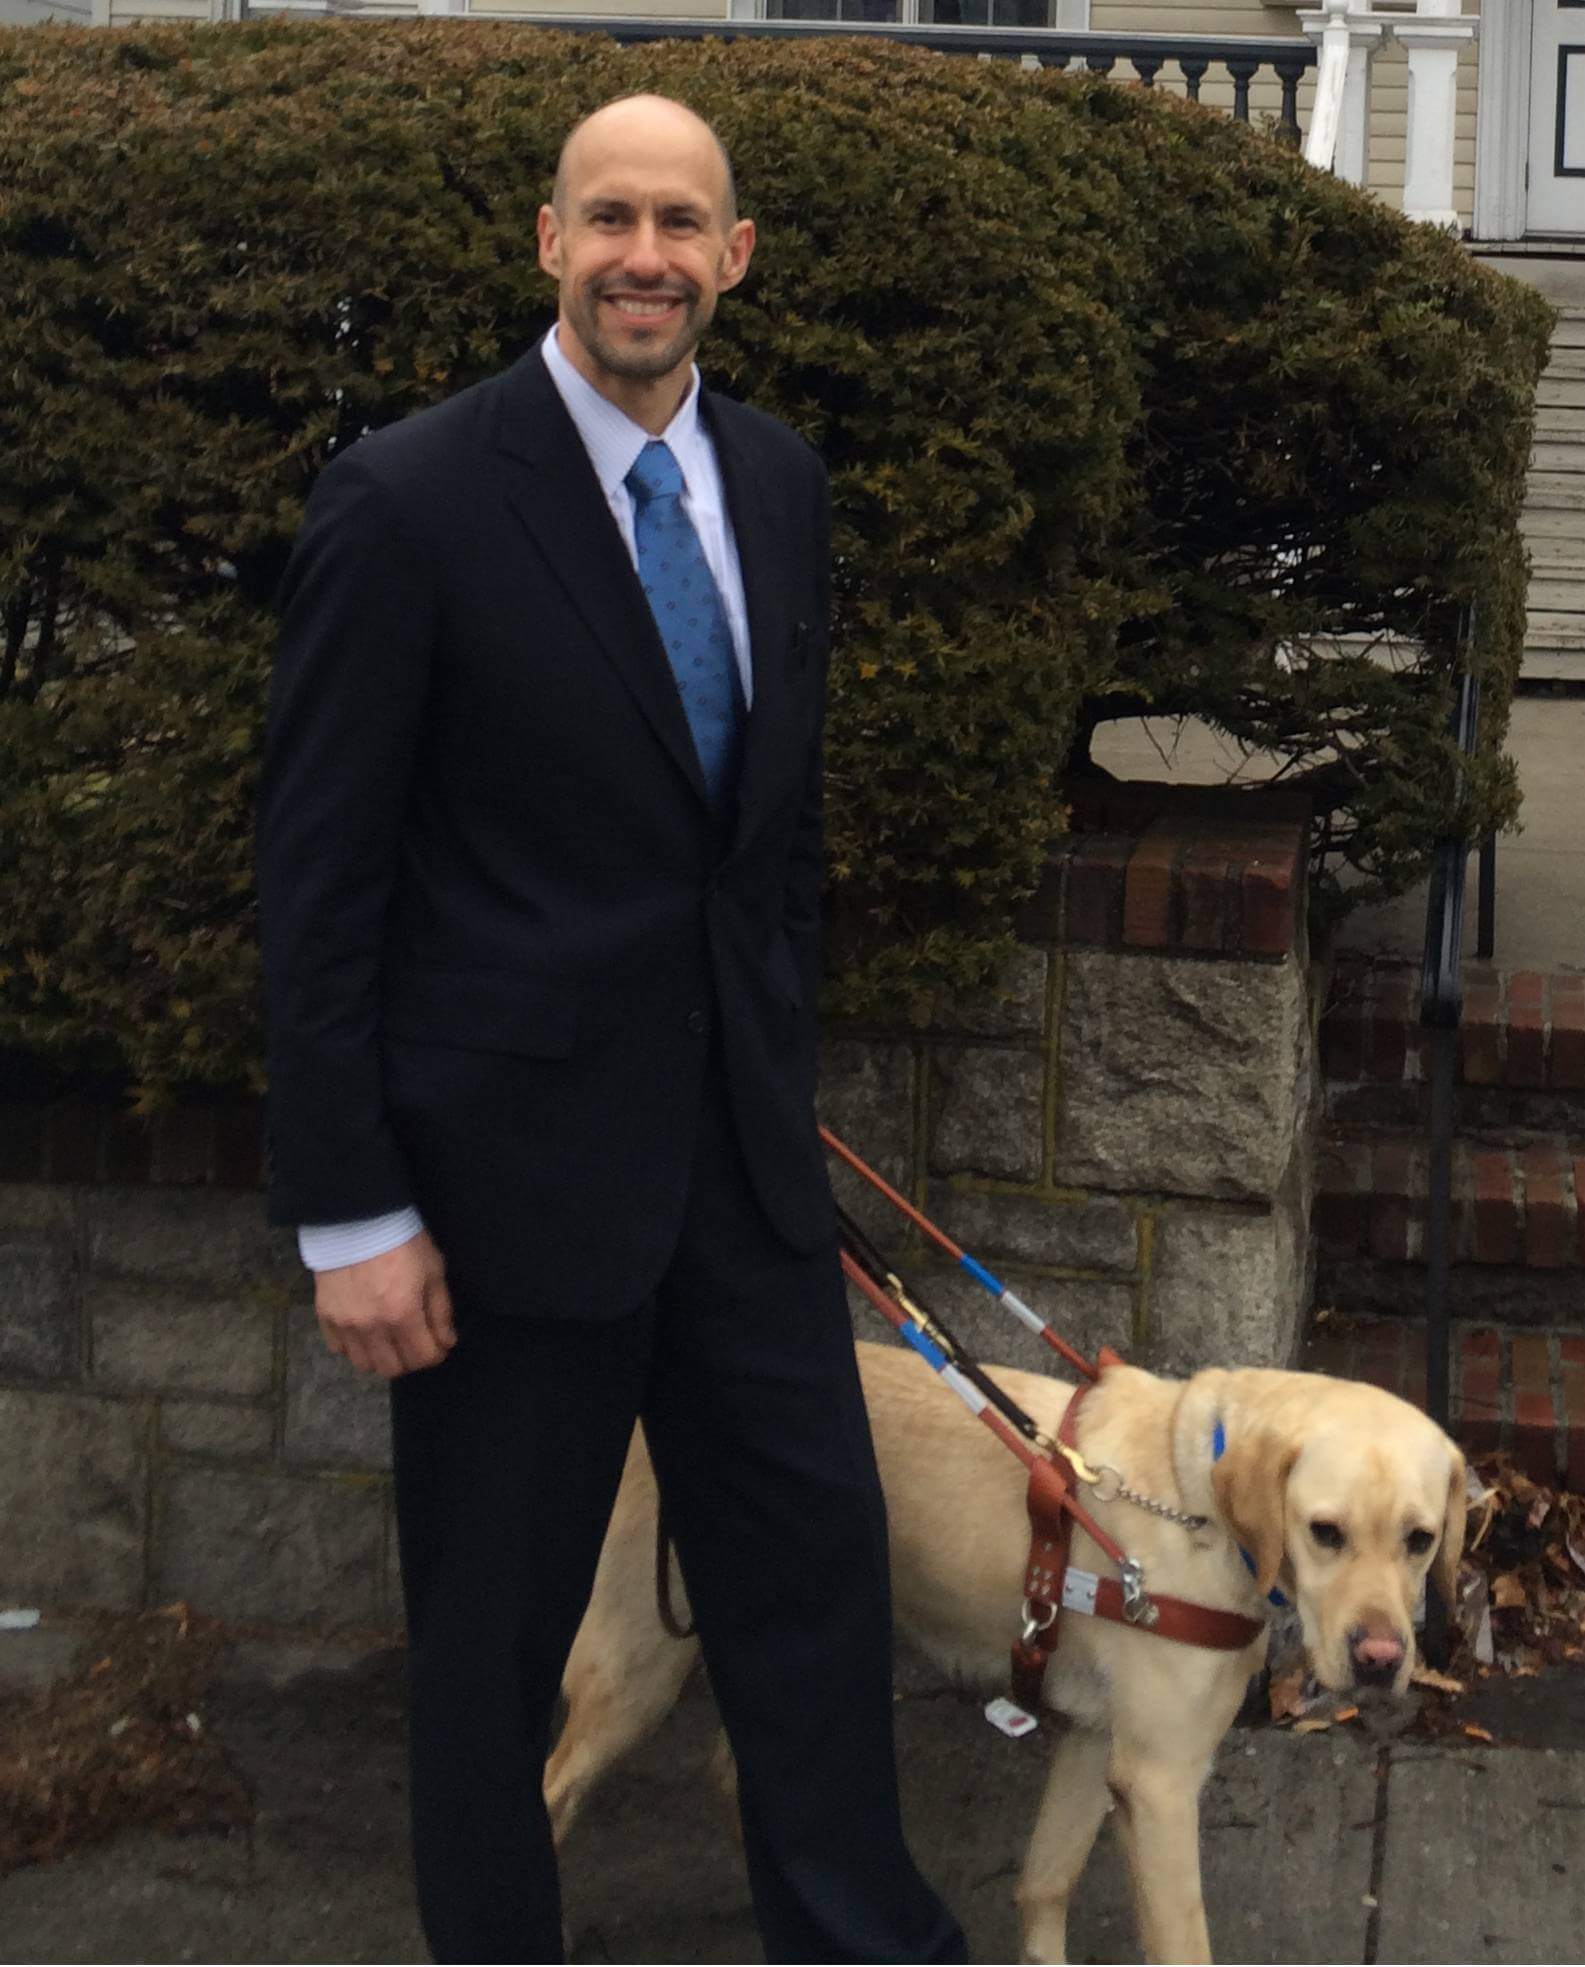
x=481 y=1010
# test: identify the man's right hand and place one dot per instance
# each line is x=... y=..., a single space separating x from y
x=390 y=1314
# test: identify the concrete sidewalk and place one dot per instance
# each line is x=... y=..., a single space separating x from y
x=1328 y=1847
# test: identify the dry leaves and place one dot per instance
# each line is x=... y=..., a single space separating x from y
x=1525 y=1552
x=118 y=1740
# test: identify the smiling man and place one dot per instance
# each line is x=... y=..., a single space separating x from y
x=540 y=879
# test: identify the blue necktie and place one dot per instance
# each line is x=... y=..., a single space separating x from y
x=687 y=608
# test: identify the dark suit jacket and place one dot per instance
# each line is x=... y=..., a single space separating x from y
x=501 y=927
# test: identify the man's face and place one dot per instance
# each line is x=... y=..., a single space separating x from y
x=640 y=249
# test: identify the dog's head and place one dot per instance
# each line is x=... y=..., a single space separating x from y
x=1346 y=1497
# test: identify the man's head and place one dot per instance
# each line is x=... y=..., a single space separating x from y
x=641 y=236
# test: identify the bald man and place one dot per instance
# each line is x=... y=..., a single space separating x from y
x=540 y=869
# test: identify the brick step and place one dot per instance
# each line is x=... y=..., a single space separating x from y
x=1521 y=1050
x=1520 y=1391
x=1511 y=1205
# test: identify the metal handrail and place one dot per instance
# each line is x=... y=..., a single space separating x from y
x=1441 y=1013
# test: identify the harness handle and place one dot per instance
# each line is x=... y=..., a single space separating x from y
x=1009 y=1300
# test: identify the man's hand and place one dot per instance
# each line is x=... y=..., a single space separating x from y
x=390 y=1314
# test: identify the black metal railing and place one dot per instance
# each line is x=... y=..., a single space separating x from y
x=1194 y=55
x=1441 y=1013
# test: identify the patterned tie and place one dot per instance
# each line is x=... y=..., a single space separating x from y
x=687 y=608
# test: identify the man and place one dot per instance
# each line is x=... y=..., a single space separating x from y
x=540 y=868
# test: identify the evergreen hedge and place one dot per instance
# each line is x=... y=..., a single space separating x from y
x=1125 y=408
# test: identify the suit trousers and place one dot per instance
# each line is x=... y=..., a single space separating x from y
x=507 y=1459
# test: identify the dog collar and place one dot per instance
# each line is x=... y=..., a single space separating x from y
x=1218 y=1449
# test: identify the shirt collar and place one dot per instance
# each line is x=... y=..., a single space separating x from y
x=609 y=435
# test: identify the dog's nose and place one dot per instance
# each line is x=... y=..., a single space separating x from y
x=1377 y=1656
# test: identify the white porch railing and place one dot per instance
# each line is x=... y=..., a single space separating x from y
x=1349 y=38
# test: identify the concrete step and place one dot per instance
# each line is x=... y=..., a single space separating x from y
x=1566 y=457
x=1562 y=392
x=1566 y=364
x=1554 y=630
x=1554 y=491
x=1553 y=666
x=1522 y=1391
x=1559 y=421
x=1556 y=595
x=1557 y=557
x=1543 y=522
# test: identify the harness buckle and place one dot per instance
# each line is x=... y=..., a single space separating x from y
x=1137 y=1607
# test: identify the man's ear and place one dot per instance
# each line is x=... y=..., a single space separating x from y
x=1444 y=1566
x=1250 y=1484
x=548 y=228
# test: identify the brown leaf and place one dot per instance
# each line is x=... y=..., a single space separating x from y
x=1443 y=1683
x=1314 y=1726
x=1286 y=1695
x=100 y=1666
x=1539 y=1511
x=1506 y=1591
x=1477 y=1733
x=1346 y=1714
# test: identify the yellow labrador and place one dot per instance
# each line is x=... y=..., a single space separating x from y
x=1343 y=1496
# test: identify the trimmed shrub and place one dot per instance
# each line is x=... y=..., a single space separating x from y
x=1124 y=408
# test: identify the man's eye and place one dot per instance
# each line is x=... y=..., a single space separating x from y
x=1327 y=1535
x=1420 y=1541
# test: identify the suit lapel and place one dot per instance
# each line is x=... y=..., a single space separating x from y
x=552 y=488
x=764 y=565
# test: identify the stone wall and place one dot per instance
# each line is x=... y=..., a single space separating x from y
x=1123 y=1129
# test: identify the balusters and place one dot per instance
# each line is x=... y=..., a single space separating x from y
x=1242 y=69
x=1289 y=73
x=1194 y=67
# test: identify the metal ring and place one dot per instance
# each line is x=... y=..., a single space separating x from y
x=1032 y=1624
x=1108 y=1484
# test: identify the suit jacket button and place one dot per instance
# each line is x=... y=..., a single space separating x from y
x=698 y=1023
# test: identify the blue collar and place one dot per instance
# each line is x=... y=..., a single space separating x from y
x=1218 y=1449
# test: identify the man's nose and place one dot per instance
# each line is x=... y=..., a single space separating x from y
x=645 y=260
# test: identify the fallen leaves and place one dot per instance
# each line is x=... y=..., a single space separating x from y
x=118 y=1740
x=1522 y=1595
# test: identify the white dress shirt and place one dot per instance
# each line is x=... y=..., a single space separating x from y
x=613 y=442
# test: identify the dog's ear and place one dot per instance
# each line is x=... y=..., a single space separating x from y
x=1250 y=1484
x=1444 y=1566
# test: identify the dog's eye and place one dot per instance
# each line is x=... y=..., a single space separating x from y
x=1327 y=1535
x=1420 y=1541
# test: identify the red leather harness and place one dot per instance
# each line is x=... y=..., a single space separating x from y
x=1050 y=1586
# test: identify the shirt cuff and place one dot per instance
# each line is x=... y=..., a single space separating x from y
x=329 y=1246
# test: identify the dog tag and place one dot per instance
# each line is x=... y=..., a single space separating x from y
x=1009 y=1717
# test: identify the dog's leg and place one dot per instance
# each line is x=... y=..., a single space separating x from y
x=1071 y=1811
x=619 y=1686
x=1159 y=1816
